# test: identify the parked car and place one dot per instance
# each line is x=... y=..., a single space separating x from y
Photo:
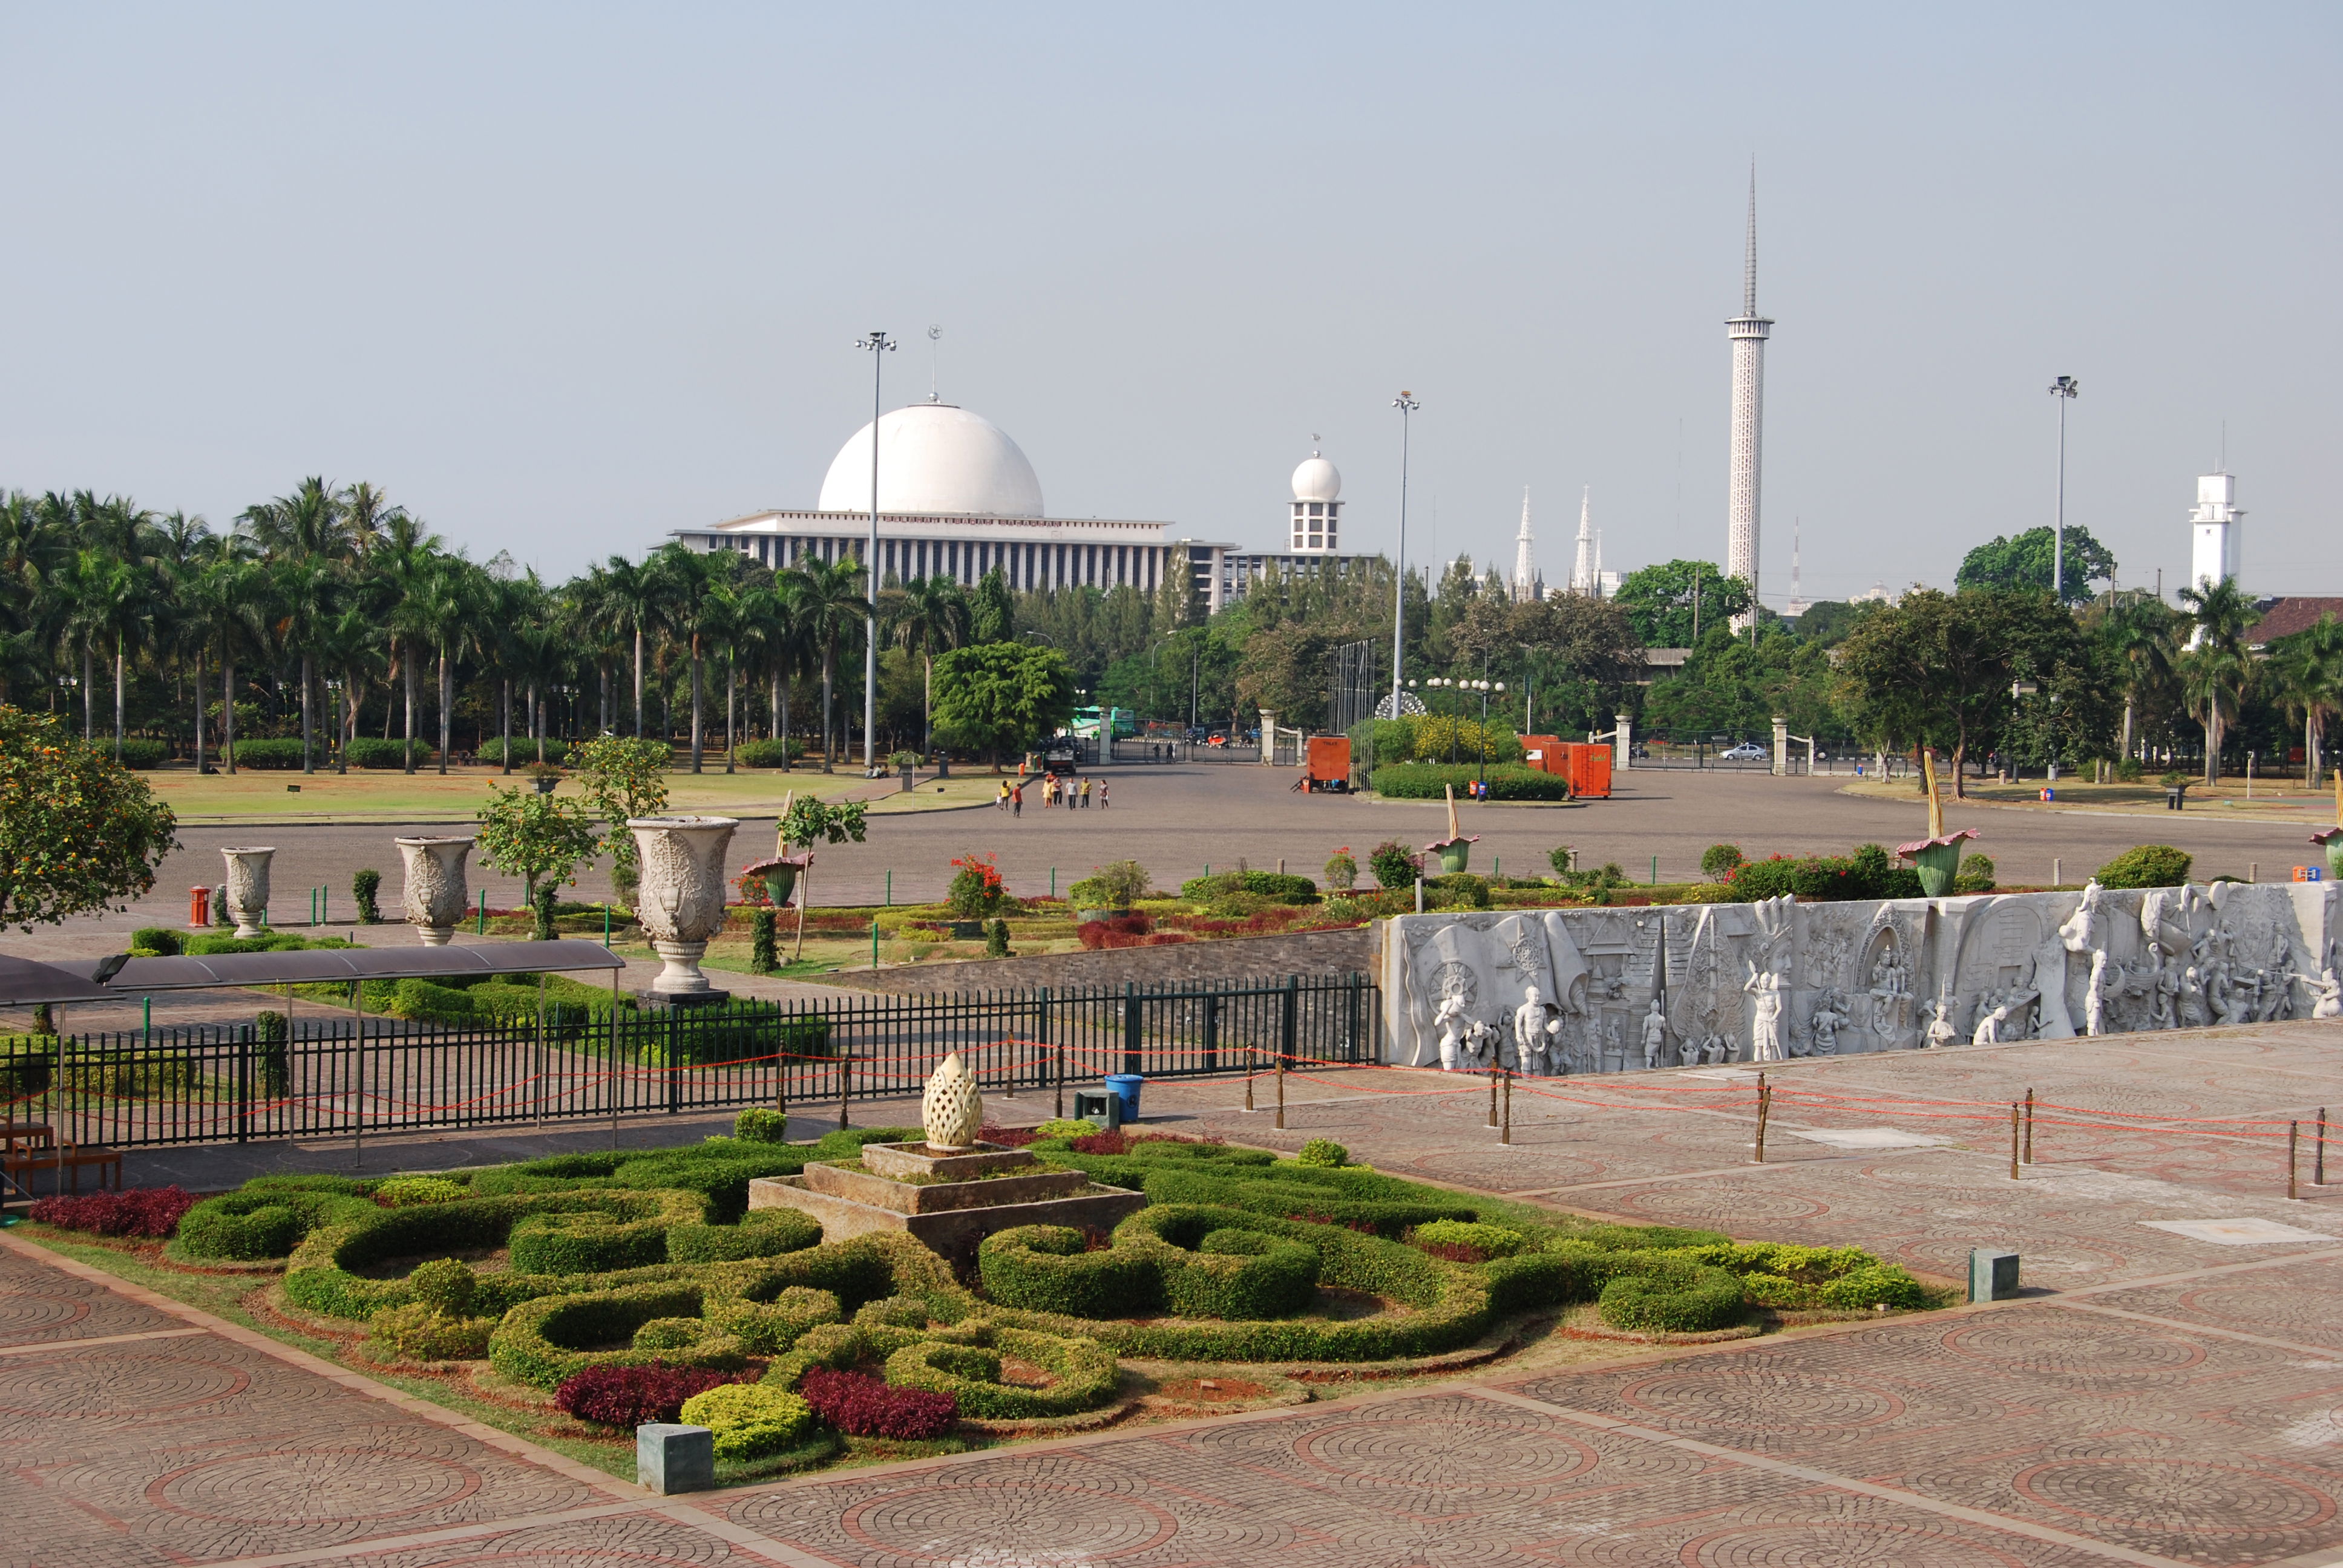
x=1747 y=751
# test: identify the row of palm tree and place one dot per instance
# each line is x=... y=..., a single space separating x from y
x=333 y=600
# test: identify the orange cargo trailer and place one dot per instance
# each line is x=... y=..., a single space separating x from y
x=1588 y=768
x=1329 y=764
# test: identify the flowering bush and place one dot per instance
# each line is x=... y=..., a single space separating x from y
x=863 y=1406
x=1342 y=870
x=1393 y=864
x=628 y=1396
x=977 y=890
x=140 y=1211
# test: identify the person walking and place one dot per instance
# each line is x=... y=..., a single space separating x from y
x=1086 y=794
x=1017 y=802
x=1102 y=795
x=1001 y=802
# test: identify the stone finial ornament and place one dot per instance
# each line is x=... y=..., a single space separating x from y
x=951 y=1112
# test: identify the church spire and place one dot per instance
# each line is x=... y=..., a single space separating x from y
x=1524 y=557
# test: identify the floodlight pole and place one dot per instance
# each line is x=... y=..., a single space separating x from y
x=1406 y=405
x=880 y=345
x=2065 y=389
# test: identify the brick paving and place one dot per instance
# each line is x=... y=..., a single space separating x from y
x=2153 y=1398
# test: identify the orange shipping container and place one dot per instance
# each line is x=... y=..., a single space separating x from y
x=1588 y=768
x=1330 y=762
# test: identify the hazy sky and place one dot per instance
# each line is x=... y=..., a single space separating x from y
x=564 y=279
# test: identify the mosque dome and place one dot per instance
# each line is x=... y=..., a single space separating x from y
x=1316 y=480
x=935 y=457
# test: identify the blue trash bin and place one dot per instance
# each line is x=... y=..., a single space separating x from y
x=1126 y=1089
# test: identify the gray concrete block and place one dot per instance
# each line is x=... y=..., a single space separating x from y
x=1993 y=1276
x=672 y=1458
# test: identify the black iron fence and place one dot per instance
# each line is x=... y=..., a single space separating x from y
x=347 y=1076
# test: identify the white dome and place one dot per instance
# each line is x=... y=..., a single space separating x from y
x=934 y=457
x=1316 y=480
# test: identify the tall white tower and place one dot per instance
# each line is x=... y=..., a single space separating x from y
x=1747 y=332
x=1525 y=581
x=2213 y=531
x=1585 y=572
x=1317 y=516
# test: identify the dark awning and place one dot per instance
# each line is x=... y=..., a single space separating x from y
x=310 y=966
x=25 y=983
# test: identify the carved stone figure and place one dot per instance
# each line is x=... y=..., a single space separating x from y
x=681 y=899
x=1449 y=1019
x=247 y=887
x=1535 y=1025
x=2329 y=992
x=434 y=894
x=1656 y=1035
x=2095 y=999
x=1764 y=989
x=1941 y=1029
x=1822 y=1026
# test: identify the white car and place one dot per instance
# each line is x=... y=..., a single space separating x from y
x=1747 y=751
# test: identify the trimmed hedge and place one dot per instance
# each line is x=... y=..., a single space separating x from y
x=761 y=1233
x=541 y=1341
x=402 y=1191
x=374 y=751
x=768 y=753
x=260 y=1221
x=1868 y=873
x=1275 y=886
x=136 y=752
x=719 y=1169
x=1655 y=1292
x=1244 y=1275
x=419 y=1334
x=1053 y=1269
x=585 y=1244
x=1432 y=781
x=1085 y=1371
x=2146 y=866
x=750 y=1420
x=523 y=750
x=275 y=753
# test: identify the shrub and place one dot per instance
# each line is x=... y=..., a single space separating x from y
x=864 y=1406
x=266 y=753
x=523 y=750
x=759 y=1125
x=585 y=1244
x=1051 y=1269
x=160 y=939
x=669 y=1334
x=1456 y=890
x=1466 y=1241
x=248 y=1227
x=1341 y=871
x=769 y=1328
x=2146 y=866
x=750 y=1421
x=541 y=1341
x=764 y=942
x=1272 y=887
x=768 y=753
x=419 y=1334
x=977 y=890
x=1435 y=734
x=137 y=752
x=1242 y=1274
x=1868 y=873
x=1117 y=886
x=1432 y=781
x=1883 y=1284
x=1974 y=875
x=1394 y=865
x=1669 y=1295
x=628 y=1396
x=402 y=1191
x=761 y=1233
x=996 y=941
x=364 y=886
x=1085 y=1373
x=374 y=751
x=1717 y=861
x=147 y=1211
x=1323 y=1153
x=444 y=1285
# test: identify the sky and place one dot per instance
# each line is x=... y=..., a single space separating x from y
x=564 y=279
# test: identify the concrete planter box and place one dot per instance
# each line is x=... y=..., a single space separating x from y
x=951 y=1233
x=940 y=1196
x=914 y=1160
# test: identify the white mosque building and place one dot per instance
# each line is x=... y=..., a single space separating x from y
x=958 y=497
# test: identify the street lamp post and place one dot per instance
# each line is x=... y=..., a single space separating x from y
x=881 y=345
x=2065 y=389
x=1406 y=405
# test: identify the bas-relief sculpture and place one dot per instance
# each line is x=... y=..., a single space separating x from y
x=1551 y=992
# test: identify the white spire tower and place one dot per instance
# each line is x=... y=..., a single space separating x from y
x=1525 y=586
x=1583 y=570
x=1747 y=332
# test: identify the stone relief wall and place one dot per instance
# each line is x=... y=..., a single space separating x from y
x=1555 y=991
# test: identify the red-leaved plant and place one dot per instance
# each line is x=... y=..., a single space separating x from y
x=140 y=1211
x=863 y=1406
x=629 y=1396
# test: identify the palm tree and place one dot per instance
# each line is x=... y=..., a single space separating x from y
x=304 y=592
x=442 y=610
x=311 y=522
x=830 y=608
x=2308 y=669
x=929 y=615
x=404 y=554
x=2139 y=633
x=688 y=580
x=112 y=604
x=2217 y=667
x=627 y=599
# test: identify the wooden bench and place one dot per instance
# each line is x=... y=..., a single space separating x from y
x=31 y=1149
x=75 y=1156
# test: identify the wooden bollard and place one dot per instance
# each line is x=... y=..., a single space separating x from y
x=1281 y=1091
x=1505 y=1128
x=2293 y=1144
x=1493 y=1094
x=1249 y=1066
x=2029 y=1127
x=2318 y=1152
x=1764 y=1109
x=2013 y=1140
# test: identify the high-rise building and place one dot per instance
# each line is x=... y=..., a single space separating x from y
x=2213 y=531
x=1748 y=332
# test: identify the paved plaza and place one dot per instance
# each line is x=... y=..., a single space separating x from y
x=2152 y=1398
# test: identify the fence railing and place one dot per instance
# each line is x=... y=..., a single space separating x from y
x=329 y=1077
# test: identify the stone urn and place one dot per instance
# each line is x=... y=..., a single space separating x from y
x=952 y=1110
x=681 y=901
x=247 y=887
x=435 y=896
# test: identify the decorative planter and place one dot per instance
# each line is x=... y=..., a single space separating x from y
x=1456 y=855
x=778 y=874
x=1936 y=861
x=247 y=887
x=436 y=895
x=681 y=899
x=2332 y=839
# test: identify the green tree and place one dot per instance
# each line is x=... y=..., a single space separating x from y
x=623 y=777
x=537 y=837
x=929 y=615
x=807 y=822
x=2215 y=670
x=2137 y=636
x=78 y=831
x=991 y=615
x=1663 y=602
x=2308 y=670
x=2024 y=561
x=999 y=697
x=830 y=608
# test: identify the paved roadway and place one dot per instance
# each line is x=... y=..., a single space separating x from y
x=1177 y=820
x=2153 y=1398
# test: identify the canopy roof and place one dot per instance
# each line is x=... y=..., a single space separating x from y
x=309 y=966
x=25 y=983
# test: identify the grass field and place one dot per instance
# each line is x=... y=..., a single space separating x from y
x=2279 y=800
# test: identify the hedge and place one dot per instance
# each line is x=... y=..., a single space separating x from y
x=761 y=1233
x=1051 y=1269
x=1868 y=873
x=1275 y=886
x=258 y=1223
x=768 y=753
x=1432 y=781
x=628 y=1396
x=274 y=753
x=1084 y=1369
x=136 y=752
x=1653 y=1291
x=541 y=1341
x=585 y=1244
x=523 y=750
x=2146 y=866
x=419 y=1333
x=1170 y=1172
x=719 y=1169
x=867 y=1407
x=374 y=751
x=750 y=1420
x=1242 y=1275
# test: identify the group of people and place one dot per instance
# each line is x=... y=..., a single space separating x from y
x=1071 y=793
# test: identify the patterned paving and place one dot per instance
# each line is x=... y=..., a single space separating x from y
x=2156 y=1400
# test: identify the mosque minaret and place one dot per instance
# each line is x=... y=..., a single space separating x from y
x=1748 y=332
